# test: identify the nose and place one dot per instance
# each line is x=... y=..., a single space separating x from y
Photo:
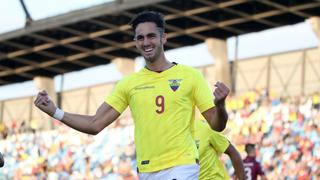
x=146 y=41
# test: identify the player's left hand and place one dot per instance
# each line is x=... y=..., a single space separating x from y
x=220 y=93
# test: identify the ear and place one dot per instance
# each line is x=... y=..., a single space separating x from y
x=136 y=43
x=164 y=38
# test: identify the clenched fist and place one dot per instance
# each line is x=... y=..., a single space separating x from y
x=44 y=103
x=220 y=93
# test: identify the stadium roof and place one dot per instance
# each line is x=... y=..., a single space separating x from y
x=96 y=35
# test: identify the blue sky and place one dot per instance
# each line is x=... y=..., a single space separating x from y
x=254 y=44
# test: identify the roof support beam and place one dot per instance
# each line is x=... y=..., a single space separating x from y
x=128 y=31
x=242 y=14
x=46 y=53
x=169 y=17
x=196 y=18
x=72 y=46
x=99 y=39
x=286 y=9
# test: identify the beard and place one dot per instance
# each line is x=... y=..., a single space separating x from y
x=155 y=56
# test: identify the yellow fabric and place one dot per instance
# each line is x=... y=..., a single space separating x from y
x=211 y=145
x=315 y=99
x=163 y=134
x=2 y=126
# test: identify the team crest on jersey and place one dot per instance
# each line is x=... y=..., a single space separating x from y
x=174 y=83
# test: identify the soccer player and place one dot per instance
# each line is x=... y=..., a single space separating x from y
x=211 y=145
x=1 y=160
x=252 y=167
x=162 y=99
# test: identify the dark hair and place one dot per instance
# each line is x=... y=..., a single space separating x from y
x=249 y=147
x=148 y=16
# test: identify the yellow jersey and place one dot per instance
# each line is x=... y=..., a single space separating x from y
x=211 y=145
x=163 y=108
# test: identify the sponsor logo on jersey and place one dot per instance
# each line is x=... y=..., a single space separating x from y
x=144 y=87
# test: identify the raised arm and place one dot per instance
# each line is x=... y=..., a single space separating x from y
x=236 y=160
x=217 y=116
x=104 y=116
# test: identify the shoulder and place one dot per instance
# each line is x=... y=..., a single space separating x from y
x=188 y=69
x=129 y=78
x=190 y=72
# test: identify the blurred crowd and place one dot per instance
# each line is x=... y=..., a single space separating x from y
x=68 y=154
x=286 y=132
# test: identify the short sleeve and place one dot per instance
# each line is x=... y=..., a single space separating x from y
x=219 y=142
x=202 y=93
x=118 y=97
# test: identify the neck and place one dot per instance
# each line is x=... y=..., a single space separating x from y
x=159 y=65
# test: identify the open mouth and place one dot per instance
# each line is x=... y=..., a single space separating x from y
x=148 y=51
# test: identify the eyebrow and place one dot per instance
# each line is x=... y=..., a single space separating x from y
x=147 y=35
x=161 y=31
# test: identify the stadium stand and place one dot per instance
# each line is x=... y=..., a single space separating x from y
x=285 y=130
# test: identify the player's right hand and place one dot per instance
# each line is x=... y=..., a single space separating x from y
x=44 y=103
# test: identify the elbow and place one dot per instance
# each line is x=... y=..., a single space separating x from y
x=221 y=128
x=95 y=126
x=91 y=132
x=95 y=131
x=219 y=120
x=223 y=123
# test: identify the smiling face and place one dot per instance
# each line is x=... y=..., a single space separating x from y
x=149 y=40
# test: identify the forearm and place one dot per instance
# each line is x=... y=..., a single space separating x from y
x=236 y=160
x=220 y=118
x=217 y=117
x=104 y=116
x=239 y=169
x=82 y=123
x=237 y=165
x=220 y=115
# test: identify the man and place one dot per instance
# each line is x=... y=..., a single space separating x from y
x=162 y=99
x=211 y=145
x=1 y=160
x=252 y=167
